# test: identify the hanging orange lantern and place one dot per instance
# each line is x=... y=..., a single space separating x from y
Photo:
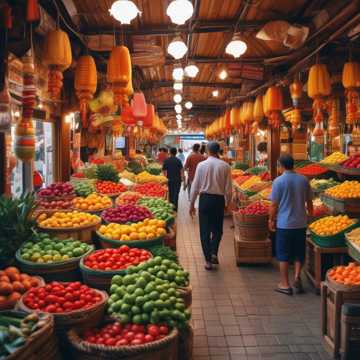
x=351 y=83
x=334 y=117
x=57 y=55
x=273 y=105
x=85 y=83
x=296 y=92
x=258 y=113
x=227 y=122
x=234 y=118
x=127 y=116
x=139 y=107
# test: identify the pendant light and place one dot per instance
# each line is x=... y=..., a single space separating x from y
x=177 y=98
x=177 y=48
x=188 y=105
x=191 y=70
x=215 y=93
x=178 y=86
x=180 y=11
x=223 y=75
x=178 y=108
x=236 y=47
x=178 y=73
x=178 y=116
x=124 y=11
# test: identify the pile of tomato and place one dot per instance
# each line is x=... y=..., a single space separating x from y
x=132 y=334
x=109 y=187
x=256 y=208
x=151 y=189
x=116 y=259
x=57 y=297
x=311 y=170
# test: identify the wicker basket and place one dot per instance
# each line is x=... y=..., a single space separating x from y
x=83 y=318
x=186 y=343
x=186 y=295
x=251 y=227
x=163 y=349
x=170 y=238
x=142 y=244
x=58 y=271
x=341 y=287
x=40 y=345
x=82 y=233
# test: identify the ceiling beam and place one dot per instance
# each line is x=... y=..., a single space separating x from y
x=169 y=83
x=203 y=26
x=219 y=60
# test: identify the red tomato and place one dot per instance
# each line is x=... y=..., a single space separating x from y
x=137 y=342
x=164 y=330
x=148 y=338
x=130 y=336
x=153 y=330
x=122 y=342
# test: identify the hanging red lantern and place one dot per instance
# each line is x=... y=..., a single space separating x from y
x=127 y=116
x=7 y=18
x=139 y=107
x=150 y=115
x=32 y=11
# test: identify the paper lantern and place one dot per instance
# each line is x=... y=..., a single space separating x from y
x=32 y=11
x=234 y=117
x=119 y=66
x=351 y=83
x=258 y=113
x=273 y=105
x=295 y=92
x=139 y=106
x=150 y=115
x=127 y=116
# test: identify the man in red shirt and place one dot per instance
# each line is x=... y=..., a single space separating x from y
x=191 y=164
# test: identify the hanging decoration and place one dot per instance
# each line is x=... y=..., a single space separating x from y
x=127 y=116
x=258 y=109
x=319 y=87
x=334 y=117
x=32 y=11
x=85 y=83
x=296 y=92
x=57 y=55
x=351 y=83
x=103 y=108
x=234 y=118
x=227 y=122
x=139 y=108
x=273 y=105
x=150 y=115
x=124 y=11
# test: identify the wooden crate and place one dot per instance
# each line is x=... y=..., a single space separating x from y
x=252 y=252
x=350 y=333
x=332 y=300
x=319 y=260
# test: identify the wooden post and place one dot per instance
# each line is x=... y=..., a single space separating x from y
x=64 y=162
x=273 y=150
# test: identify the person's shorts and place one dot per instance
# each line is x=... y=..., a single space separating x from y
x=290 y=244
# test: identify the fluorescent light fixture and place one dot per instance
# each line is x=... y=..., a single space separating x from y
x=177 y=48
x=180 y=11
x=177 y=98
x=188 y=105
x=124 y=11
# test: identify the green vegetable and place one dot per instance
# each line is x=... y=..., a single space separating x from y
x=107 y=172
x=134 y=167
x=240 y=166
x=257 y=170
x=84 y=188
x=154 y=168
x=165 y=252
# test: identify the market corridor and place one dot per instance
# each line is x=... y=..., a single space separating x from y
x=236 y=313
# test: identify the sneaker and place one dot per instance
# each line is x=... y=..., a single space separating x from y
x=298 y=286
x=214 y=260
x=208 y=266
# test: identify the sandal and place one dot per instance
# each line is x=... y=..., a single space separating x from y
x=286 y=291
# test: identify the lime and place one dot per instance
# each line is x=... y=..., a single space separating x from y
x=164 y=313
x=163 y=268
x=154 y=295
x=179 y=306
x=149 y=288
x=26 y=256
x=120 y=292
x=113 y=288
x=78 y=251
x=128 y=279
x=164 y=297
x=140 y=300
x=130 y=289
x=141 y=282
x=117 y=279
x=139 y=292
x=159 y=304
x=114 y=297
x=145 y=318
x=124 y=319
x=148 y=306
x=117 y=305
x=137 y=319
x=135 y=310
x=125 y=308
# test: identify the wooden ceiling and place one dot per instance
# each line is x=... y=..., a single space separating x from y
x=207 y=34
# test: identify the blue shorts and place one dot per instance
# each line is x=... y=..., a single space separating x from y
x=290 y=244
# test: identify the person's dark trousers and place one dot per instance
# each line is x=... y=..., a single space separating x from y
x=174 y=189
x=211 y=218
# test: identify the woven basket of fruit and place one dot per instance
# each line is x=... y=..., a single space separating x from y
x=186 y=294
x=344 y=278
x=164 y=347
x=353 y=243
x=99 y=267
x=82 y=307
x=93 y=203
x=35 y=338
x=170 y=237
x=144 y=244
x=60 y=260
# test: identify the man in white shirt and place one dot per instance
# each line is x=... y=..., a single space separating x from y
x=213 y=183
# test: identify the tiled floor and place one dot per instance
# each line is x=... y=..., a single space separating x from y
x=236 y=313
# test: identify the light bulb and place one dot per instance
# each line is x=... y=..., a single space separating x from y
x=124 y=11
x=180 y=11
x=188 y=105
x=178 y=116
x=178 y=86
x=178 y=73
x=177 y=48
x=223 y=74
x=177 y=98
x=178 y=108
x=191 y=71
x=236 y=47
x=215 y=93
x=40 y=106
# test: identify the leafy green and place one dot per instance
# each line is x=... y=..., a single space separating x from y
x=165 y=252
x=107 y=172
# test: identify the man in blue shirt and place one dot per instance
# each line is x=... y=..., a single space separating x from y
x=288 y=217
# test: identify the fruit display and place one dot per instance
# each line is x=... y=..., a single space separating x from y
x=247 y=184
x=151 y=189
x=15 y=328
x=60 y=297
x=59 y=189
x=128 y=197
x=319 y=185
x=236 y=172
x=160 y=208
x=240 y=166
x=346 y=190
x=78 y=175
x=54 y=204
x=154 y=168
x=44 y=249
x=144 y=230
x=128 y=213
x=134 y=167
x=116 y=259
x=72 y=219
x=164 y=252
x=84 y=188
x=265 y=194
x=319 y=208
x=331 y=225
x=256 y=208
x=145 y=177
x=109 y=187
x=148 y=294
x=128 y=175
x=311 y=170
x=107 y=172
x=301 y=163
x=353 y=162
x=346 y=275
x=354 y=236
x=90 y=171
x=93 y=202
x=13 y=284
x=265 y=176
x=115 y=334
x=334 y=159
x=241 y=179
x=257 y=170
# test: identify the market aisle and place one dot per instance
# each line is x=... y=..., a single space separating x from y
x=236 y=313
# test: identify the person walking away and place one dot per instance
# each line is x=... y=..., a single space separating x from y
x=181 y=156
x=213 y=183
x=191 y=164
x=288 y=217
x=173 y=170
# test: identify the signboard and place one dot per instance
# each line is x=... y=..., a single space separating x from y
x=192 y=137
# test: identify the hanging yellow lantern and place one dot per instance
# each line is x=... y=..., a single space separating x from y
x=273 y=105
x=351 y=83
x=258 y=114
